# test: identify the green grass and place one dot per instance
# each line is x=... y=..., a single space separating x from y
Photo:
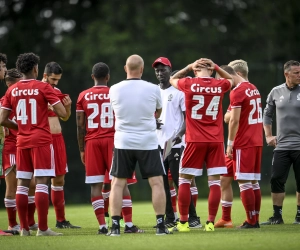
x=268 y=237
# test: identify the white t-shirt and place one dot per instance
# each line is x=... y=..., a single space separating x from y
x=134 y=102
x=171 y=116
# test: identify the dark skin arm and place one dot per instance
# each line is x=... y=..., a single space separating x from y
x=5 y=122
x=80 y=120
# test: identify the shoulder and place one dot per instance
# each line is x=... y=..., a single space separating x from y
x=278 y=88
x=57 y=90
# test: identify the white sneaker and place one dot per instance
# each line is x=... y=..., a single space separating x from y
x=24 y=232
x=34 y=227
x=16 y=227
x=48 y=232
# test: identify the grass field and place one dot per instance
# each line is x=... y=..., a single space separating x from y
x=268 y=237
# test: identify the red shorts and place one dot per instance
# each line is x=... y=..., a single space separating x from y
x=60 y=155
x=98 y=158
x=130 y=181
x=38 y=161
x=229 y=165
x=8 y=161
x=196 y=153
x=247 y=163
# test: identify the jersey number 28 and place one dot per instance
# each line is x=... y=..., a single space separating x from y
x=106 y=116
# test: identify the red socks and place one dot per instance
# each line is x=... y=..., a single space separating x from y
x=58 y=201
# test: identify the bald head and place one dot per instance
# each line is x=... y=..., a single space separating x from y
x=134 y=62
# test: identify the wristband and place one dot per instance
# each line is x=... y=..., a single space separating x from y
x=229 y=143
x=216 y=67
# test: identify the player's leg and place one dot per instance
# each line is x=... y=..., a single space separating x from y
x=244 y=171
x=95 y=167
x=58 y=182
x=151 y=167
x=43 y=163
x=127 y=213
x=296 y=167
x=255 y=183
x=31 y=206
x=173 y=196
x=106 y=192
x=194 y=192
x=123 y=165
x=24 y=175
x=215 y=164
x=226 y=196
x=281 y=164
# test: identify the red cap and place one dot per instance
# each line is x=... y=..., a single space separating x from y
x=162 y=60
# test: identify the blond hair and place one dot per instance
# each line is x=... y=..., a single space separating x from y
x=240 y=66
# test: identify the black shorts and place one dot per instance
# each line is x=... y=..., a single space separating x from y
x=281 y=164
x=125 y=160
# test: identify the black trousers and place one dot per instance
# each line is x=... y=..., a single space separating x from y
x=172 y=163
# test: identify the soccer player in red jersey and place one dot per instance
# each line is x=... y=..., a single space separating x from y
x=52 y=75
x=204 y=135
x=244 y=144
x=29 y=100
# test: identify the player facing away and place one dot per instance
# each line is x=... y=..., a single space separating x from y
x=241 y=68
x=52 y=75
x=244 y=144
x=9 y=166
x=204 y=135
x=29 y=100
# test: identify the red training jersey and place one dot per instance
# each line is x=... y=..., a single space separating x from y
x=10 y=140
x=250 y=132
x=61 y=96
x=203 y=101
x=29 y=100
x=95 y=103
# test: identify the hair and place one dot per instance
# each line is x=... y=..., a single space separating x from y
x=26 y=62
x=100 y=70
x=287 y=66
x=228 y=69
x=3 y=58
x=240 y=66
x=12 y=75
x=53 y=68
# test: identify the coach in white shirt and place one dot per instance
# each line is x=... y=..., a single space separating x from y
x=136 y=104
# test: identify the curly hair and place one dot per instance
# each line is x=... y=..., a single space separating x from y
x=240 y=66
x=12 y=75
x=100 y=70
x=26 y=62
x=3 y=58
x=53 y=68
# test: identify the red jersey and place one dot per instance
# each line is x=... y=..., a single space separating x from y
x=203 y=101
x=10 y=139
x=250 y=132
x=95 y=103
x=61 y=96
x=29 y=100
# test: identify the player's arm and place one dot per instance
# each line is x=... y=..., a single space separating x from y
x=227 y=117
x=232 y=129
x=60 y=110
x=267 y=121
x=180 y=74
x=80 y=121
x=5 y=122
x=67 y=104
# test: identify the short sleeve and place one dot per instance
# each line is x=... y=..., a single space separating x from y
x=182 y=84
x=158 y=99
x=50 y=94
x=236 y=99
x=79 y=106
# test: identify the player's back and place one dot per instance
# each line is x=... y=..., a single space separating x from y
x=250 y=132
x=203 y=100
x=29 y=99
x=95 y=103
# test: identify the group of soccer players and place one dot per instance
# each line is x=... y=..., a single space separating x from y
x=33 y=109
